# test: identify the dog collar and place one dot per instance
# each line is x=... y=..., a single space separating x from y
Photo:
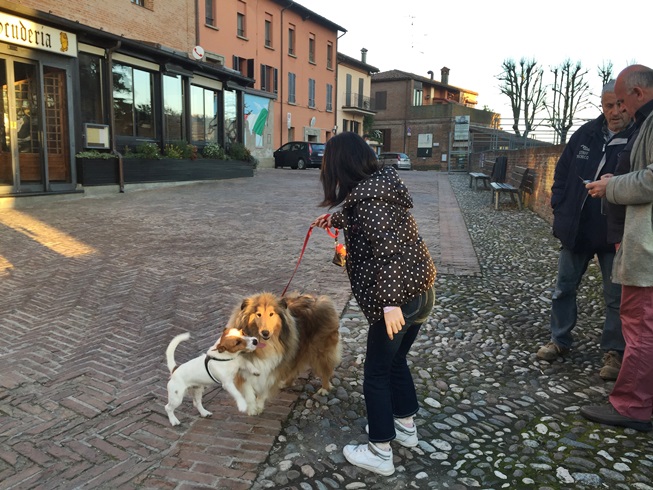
x=206 y=365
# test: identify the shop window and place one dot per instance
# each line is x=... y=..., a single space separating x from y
x=132 y=98
x=173 y=107
x=205 y=126
x=230 y=117
x=90 y=83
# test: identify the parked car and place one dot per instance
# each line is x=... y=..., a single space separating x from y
x=299 y=154
x=397 y=160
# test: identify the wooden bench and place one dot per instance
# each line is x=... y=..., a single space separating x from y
x=476 y=176
x=497 y=174
x=522 y=180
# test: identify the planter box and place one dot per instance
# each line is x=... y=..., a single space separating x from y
x=139 y=170
x=92 y=172
x=97 y=171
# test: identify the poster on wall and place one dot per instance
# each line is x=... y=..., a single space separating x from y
x=258 y=131
x=424 y=145
x=461 y=129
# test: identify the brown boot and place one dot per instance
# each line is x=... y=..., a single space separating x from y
x=551 y=351
x=611 y=365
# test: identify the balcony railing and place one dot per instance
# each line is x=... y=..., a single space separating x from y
x=358 y=101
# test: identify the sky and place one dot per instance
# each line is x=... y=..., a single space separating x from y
x=474 y=37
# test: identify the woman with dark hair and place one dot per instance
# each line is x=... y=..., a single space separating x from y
x=392 y=275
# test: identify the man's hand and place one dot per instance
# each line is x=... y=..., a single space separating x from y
x=394 y=321
x=597 y=188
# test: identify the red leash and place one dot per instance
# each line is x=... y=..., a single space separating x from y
x=308 y=235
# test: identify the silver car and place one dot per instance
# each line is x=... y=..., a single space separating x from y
x=399 y=161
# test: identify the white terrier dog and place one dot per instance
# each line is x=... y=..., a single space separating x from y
x=219 y=364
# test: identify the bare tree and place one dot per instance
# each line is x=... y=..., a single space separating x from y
x=605 y=72
x=570 y=94
x=522 y=84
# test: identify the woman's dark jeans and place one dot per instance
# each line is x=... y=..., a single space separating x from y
x=388 y=385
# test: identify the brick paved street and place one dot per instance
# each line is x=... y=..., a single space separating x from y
x=93 y=289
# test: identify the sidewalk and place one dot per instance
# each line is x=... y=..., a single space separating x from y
x=93 y=290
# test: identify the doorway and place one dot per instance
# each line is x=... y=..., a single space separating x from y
x=35 y=151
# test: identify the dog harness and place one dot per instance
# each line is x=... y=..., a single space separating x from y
x=206 y=365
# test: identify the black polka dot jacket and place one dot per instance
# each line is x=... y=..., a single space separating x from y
x=387 y=261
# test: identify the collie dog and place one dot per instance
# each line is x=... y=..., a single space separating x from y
x=295 y=332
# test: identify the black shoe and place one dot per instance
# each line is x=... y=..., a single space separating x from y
x=608 y=415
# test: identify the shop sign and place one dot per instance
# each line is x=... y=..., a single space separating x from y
x=24 y=32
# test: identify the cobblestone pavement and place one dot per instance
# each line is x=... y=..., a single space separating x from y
x=92 y=291
x=492 y=415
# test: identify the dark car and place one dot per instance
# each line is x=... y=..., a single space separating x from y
x=397 y=160
x=299 y=154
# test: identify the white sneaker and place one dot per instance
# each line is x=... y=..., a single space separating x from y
x=406 y=436
x=370 y=457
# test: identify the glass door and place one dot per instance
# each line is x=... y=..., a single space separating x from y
x=27 y=110
x=56 y=124
x=35 y=131
x=6 y=163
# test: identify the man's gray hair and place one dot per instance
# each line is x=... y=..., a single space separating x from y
x=608 y=88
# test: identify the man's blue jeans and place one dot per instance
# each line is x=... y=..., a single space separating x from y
x=388 y=385
x=564 y=308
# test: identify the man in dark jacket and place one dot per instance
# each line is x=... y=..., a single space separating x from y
x=581 y=227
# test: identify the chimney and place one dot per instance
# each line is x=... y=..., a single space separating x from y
x=444 y=75
x=430 y=72
x=364 y=55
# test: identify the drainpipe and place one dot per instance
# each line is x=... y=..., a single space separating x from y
x=335 y=86
x=112 y=116
x=282 y=77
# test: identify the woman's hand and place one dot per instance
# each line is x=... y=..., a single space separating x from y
x=394 y=321
x=322 y=221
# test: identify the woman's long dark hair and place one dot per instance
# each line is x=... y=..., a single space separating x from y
x=347 y=160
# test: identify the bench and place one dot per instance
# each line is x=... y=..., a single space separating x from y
x=522 y=180
x=497 y=174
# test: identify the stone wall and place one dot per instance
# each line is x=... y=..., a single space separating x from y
x=541 y=160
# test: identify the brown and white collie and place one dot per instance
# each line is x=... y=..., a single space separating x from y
x=295 y=332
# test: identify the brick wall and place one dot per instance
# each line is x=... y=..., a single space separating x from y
x=168 y=22
x=541 y=160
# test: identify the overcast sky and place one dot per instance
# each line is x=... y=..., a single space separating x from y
x=473 y=38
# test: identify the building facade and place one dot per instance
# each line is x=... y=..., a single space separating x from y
x=78 y=75
x=290 y=53
x=354 y=101
x=429 y=120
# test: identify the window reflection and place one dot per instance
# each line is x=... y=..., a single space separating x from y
x=230 y=117
x=205 y=126
x=90 y=81
x=173 y=113
x=132 y=95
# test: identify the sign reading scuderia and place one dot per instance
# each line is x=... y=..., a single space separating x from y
x=33 y=35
